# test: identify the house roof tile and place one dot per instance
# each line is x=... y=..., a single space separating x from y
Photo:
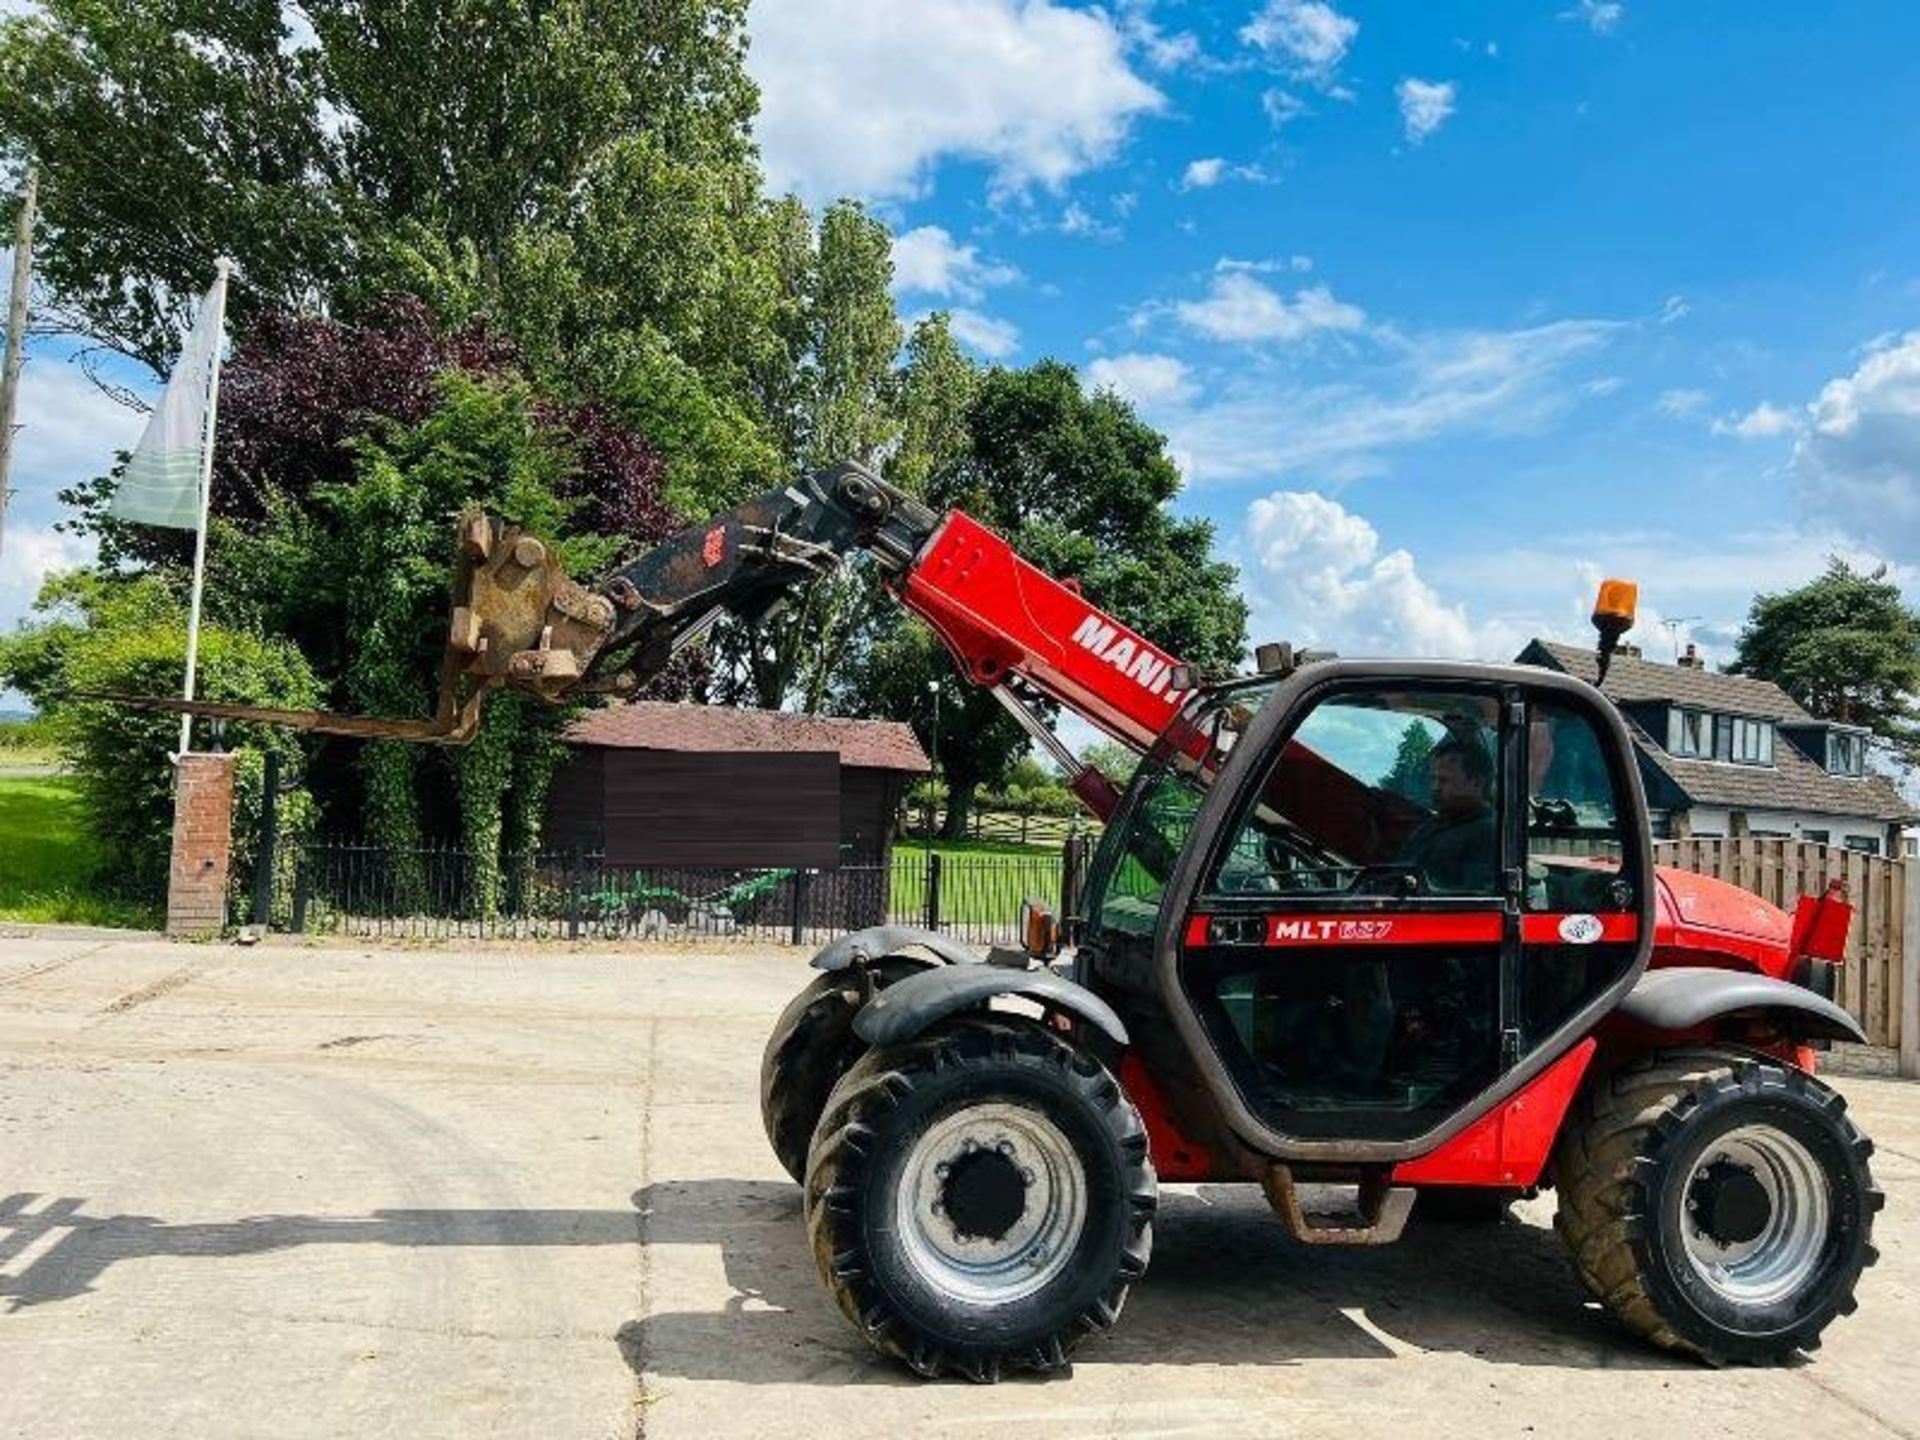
x=664 y=725
x=1630 y=678
x=1792 y=782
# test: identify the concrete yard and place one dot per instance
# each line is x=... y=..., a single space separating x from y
x=330 y=1191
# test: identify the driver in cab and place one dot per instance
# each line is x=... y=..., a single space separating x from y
x=1455 y=848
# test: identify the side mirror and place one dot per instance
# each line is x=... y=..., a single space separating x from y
x=1040 y=929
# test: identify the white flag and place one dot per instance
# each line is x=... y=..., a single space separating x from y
x=161 y=485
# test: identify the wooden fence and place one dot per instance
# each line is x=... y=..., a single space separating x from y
x=1880 y=982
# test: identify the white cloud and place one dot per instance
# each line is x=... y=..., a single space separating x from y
x=68 y=431
x=1077 y=220
x=68 y=428
x=1546 y=586
x=1142 y=378
x=1164 y=51
x=1202 y=173
x=1254 y=422
x=1311 y=37
x=929 y=261
x=32 y=553
x=1602 y=386
x=1764 y=422
x=1239 y=307
x=1316 y=574
x=1678 y=404
x=865 y=97
x=1282 y=108
x=1599 y=16
x=1424 y=106
x=1858 y=460
x=994 y=338
x=1674 y=308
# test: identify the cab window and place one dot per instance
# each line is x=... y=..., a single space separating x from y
x=1573 y=816
x=1377 y=792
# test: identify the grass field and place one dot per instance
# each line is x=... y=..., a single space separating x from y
x=47 y=863
x=981 y=882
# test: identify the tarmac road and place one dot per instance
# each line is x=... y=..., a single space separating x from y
x=328 y=1191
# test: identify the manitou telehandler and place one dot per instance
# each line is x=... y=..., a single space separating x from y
x=1285 y=971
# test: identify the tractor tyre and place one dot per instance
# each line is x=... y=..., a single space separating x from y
x=1717 y=1202
x=980 y=1198
x=811 y=1047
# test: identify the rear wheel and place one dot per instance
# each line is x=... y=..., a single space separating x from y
x=1718 y=1203
x=980 y=1198
x=811 y=1047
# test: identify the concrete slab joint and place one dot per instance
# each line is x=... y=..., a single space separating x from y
x=202 y=845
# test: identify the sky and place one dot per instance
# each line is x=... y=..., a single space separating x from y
x=1446 y=311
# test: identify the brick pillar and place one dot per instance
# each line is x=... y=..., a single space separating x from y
x=202 y=845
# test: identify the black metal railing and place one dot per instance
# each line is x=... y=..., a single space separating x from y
x=434 y=893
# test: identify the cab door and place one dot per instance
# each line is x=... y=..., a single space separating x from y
x=1413 y=893
x=1353 y=942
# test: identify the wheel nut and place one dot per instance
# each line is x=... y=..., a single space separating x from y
x=942 y=1170
x=1005 y=1147
x=1026 y=1176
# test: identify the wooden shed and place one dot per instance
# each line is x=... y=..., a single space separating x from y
x=694 y=786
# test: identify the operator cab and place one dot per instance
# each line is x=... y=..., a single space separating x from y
x=1375 y=898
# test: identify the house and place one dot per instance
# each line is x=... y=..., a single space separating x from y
x=705 y=786
x=1728 y=755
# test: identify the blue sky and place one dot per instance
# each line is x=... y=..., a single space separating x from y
x=1446 y=310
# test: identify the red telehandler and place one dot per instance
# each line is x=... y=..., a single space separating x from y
x=1292 y=967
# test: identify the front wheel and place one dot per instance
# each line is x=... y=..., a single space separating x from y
x=980 y=1197
x=811 y=1047
x=1718 y=1203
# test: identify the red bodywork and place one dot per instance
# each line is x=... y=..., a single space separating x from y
x=1001 y=617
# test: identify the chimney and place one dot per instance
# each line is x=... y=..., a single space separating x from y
x=1628 y=652
x=1691 y=660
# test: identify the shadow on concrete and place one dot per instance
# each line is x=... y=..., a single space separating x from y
x=1227 y=1286
x=85 y=1246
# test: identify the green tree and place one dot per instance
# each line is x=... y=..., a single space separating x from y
x=466 y=144
x=1846 y=646
x=89 y=635
x=1111 y=759
x=169 y=132
x=1082 y=488
x=1410 y=775
x=936 y=389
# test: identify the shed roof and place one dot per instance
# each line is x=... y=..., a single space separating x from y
x=665 y=725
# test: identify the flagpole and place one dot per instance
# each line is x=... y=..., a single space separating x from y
x=222 y=266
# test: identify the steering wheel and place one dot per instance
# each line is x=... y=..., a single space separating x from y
x=1392 y=880
x=1554 y=815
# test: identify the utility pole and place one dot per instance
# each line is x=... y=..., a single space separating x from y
x=16 y=335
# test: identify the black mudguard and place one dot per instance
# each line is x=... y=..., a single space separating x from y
x=882 y=940
x=904 y=1009
x=1682 y=996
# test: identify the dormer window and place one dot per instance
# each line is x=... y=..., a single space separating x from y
x=1737 y=739
x=1743 y=741
x=1846 y=753
x=1692 y=733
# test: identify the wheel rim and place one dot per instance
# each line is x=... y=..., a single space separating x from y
x=991 y=1203
x=1754 y=1215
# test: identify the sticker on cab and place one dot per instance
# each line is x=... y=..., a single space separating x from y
x=1580 y=929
